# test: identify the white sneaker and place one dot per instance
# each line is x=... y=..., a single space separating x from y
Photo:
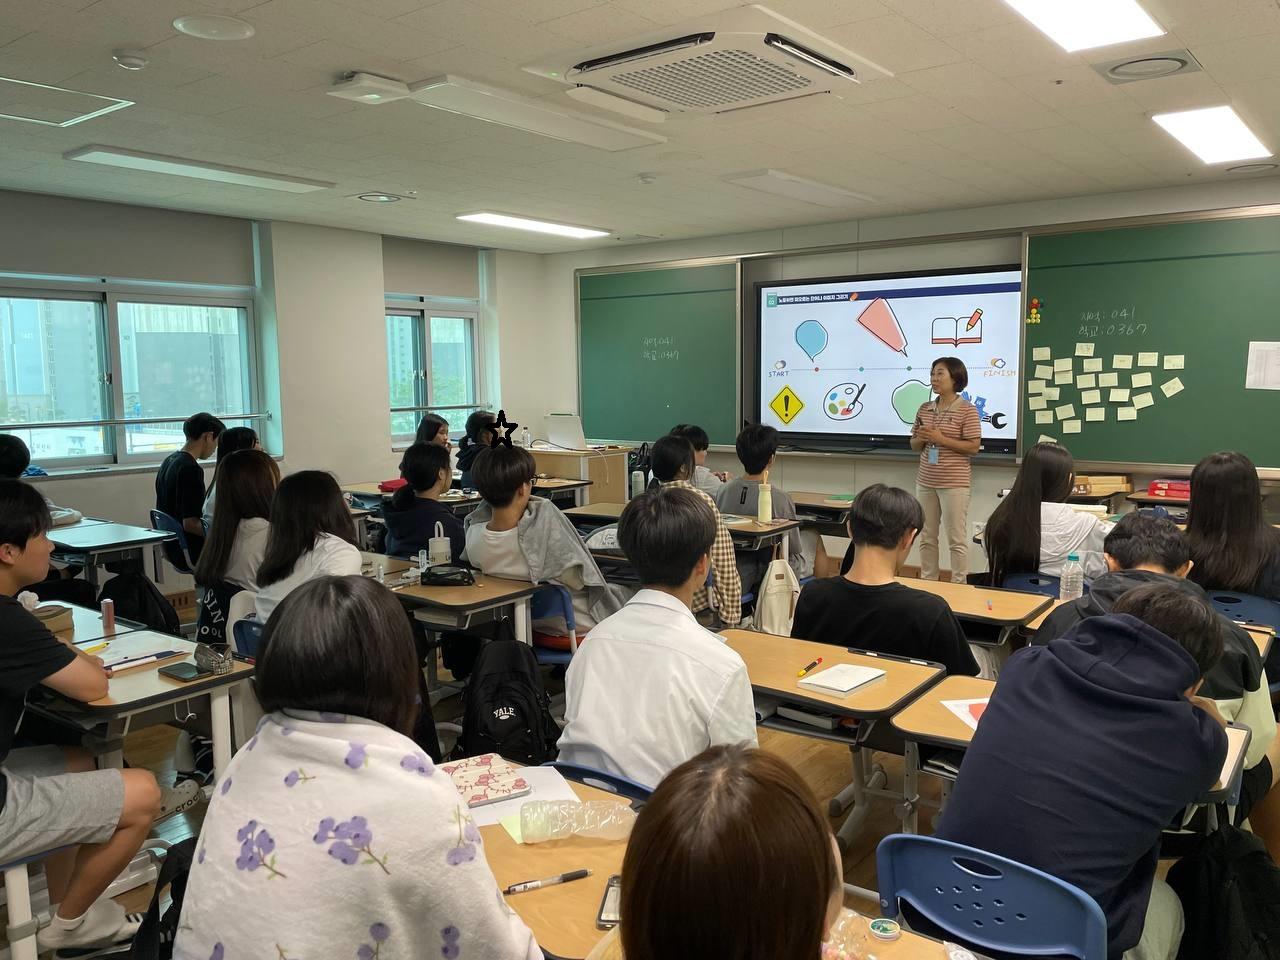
x=103 y=924
x=183 y=795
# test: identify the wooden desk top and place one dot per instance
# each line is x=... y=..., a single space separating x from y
x=86 y=624
x=1264 y=637
x=926 y=720
x=563 y=917
x=1036 y=622
x=133 y=688
x=103 y=536
x=819 y=501
x=597 y=511
x=736 y=524
x=1147 y=499
x=486 y=592
x=370 y=489
x=1008 y=607
x=773 y=662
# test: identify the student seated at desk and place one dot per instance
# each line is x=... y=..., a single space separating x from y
x=866 y=608
x=1143 y=549
x=52 y=796
x=312 y=535
x=229 y=441
x=671 y=461
x=237 y=544
x=1089 y=748
x=730 y=857
x=415 y=509
x=1231 y=542
x=1034 y=529
x=434 y=428
x=479 y=437
x=331 y=834
x=705 y=480
x=516 y=535
x=14 y=460
x=180 y=479
x=650 y=687
x=757 y=447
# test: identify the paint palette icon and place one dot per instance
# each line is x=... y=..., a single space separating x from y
x=843 y=401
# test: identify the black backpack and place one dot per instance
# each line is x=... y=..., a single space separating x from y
x=137 y=598
x=1230 y=893
x=154 y=939
x=505 y=709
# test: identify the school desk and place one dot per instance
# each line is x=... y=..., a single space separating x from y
x=1144 y=499
x=86 y=625
x=607 y=470
x=1264 y=637
x=772 y=664
x=563 y=917
x=1007 y=609
x=553 y=488
x=92 y=544
x=824 y=511
x=747 y=533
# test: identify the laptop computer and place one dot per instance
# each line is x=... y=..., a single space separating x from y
x=564 y=430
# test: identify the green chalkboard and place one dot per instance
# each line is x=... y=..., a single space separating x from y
x=1200 y=291
x=657 y=348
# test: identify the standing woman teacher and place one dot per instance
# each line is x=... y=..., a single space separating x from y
x=947 y=432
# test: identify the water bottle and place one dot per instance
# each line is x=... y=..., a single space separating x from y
x=526 y=439
x=542 y=820
x=1071 y=586
x=637 y=483
x=764 y=505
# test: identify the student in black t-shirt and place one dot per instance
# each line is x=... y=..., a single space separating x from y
x=180 y=480
x=415 y=509
x=866 y=608
x=52 y=796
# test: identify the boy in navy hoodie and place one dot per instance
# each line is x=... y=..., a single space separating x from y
x=1091 y=745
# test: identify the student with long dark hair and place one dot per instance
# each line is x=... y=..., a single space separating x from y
x=703 y=478
x=1233 y=546
x=1034 y=530
x=332 y=833
x=229 y=441
x=312 y=535
x=237 y=541
x=415 y=509
x=433 y=428
x=479 y=437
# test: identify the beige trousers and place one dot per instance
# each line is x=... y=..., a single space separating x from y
x=1162 y=932
x=950 y=504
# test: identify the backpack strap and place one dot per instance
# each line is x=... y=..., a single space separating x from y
x=155 y=931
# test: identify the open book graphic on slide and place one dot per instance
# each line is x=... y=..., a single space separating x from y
x=957 y=331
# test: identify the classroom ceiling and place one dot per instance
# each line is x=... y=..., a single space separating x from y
x=982 y=109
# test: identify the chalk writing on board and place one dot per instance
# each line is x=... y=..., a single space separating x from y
x=1115 y=322
x=660 y=354
x=658 y=341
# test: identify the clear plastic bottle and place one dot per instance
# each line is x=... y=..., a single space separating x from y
x=1071 y=586
x=542 y=820
x=526 y=439
x=637 y=483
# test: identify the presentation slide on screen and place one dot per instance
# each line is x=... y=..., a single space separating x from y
x=851 y=358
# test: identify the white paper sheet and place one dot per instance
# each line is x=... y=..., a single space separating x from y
x=1071 y=426
x=1142 y=401
x=1044 y=416
x=1044 y=372
x=1148 y=359
x=1093 y=366
x=1045 y=438
x=1062 y=378
x=1084 y=349
x=1052 y=393
x=1091 y=396
x=1140 y=380
x=1087 y=381
x=1174 y=361
x=964 y=709
x=1126 y=413
x=1042 y=353
x=1035 y=386
x=1119 y=395
x=1263 y=371
x=1037 y=403
x=1094 y=414
x=1065 y=412
x=1108 y=379
x=1122 y=361
x=1062 y=364
x=1172 y=387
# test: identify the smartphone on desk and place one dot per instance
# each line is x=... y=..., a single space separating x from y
x=607 y=918
x=184 y=672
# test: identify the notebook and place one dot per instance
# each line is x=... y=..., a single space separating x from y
x=840 y=679
x=486 y=779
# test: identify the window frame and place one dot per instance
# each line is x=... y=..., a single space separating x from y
x=422 y=309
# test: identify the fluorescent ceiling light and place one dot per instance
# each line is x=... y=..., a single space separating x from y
x=483 y=102
x=52 y=106
x=1214 y=134
x=537 y=226
x=796 y=188
x=177 y=166
x=1085 y=24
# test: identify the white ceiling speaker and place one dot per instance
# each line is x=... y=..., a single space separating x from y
x=739 y=58
x=368 y=88
x=214 y=26
x=130 y=59
x=1149 y=66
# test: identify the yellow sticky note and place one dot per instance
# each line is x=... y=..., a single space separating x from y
x=1096 y=414
x=1052 y=393
x=1044 y=416
x=1063 y=364
x=1093 y=366
x=1091 y=396
x=1122 y=361
x=1087 y=381
x=1148 y=359
x=1042 y=353
x=1141 y=380
x=1084 y=349
x=1062 y=378
x=1037 y=403
x=1174 y=361
x=1045 y=438
x=1065 y=412
x=1120 y=395
x=1142 y=401
x=1127 y=413
x=1035 y=386
x=1071 y=426
x=1044 y=372
x=1108 y=379
x=1171 y=387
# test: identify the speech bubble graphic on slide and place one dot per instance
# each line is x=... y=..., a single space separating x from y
x=907 y=399
x=811 y=337
x=843 y=401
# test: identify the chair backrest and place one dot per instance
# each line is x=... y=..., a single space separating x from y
x=988 y=901
x=178 y=552
x=246 y=635
x=1033 y=583
x=603 y=780
x=1247 y=608
x=242 y=605
x=554 y=600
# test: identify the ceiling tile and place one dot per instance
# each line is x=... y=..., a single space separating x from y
x=895 y=43
x=1244 y=58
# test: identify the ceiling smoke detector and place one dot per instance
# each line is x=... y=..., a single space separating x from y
x=368 y=88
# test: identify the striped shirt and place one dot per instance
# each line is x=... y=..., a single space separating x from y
x=960 y=421
x=724 y=568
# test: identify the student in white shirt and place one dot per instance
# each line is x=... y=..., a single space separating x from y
x=650 y=688
x=1034 y=529
x=237 y=540
x=229 y=441
x=703 y=478
x=311 y=536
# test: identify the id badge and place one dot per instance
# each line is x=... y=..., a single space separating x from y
x=933 y=454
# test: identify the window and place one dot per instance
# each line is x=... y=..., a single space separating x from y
x=93 y=360
x=431 y=367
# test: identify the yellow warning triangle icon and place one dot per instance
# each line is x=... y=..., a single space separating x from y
x=786 y=405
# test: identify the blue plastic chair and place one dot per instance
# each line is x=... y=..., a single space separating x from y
x=20 y=933
x=602 y=779
x=178 y=551
x=1034 y=583
x=1247 y=608
x=987 y=901
x=553 y=600
x=247 y=636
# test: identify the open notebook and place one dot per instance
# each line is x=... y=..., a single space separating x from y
x=840 y=679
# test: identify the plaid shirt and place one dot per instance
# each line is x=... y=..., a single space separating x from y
x=724 y=568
